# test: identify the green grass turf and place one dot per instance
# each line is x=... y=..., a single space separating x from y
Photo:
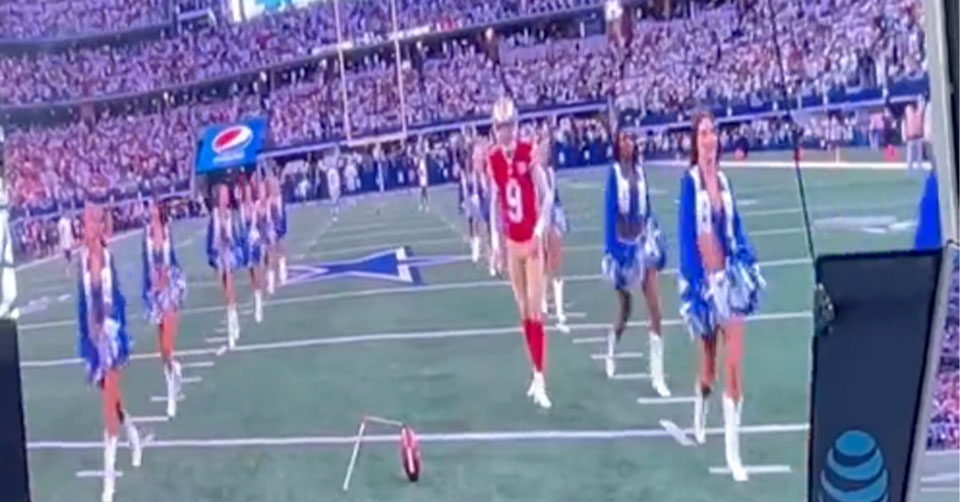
x=457 y=384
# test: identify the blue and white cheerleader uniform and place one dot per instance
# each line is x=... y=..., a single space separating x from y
x=278 y=214
x=162 y=257
x=257 y=232
x=104 y=301
x=225 y=247
x=477 y=206
x=707 y=301
x=626 y=260
x=558 y=217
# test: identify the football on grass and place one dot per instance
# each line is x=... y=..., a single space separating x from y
x=410 y=453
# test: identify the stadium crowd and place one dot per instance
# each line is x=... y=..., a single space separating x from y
x=226 y=49
x=458 y=82
x=57 y=18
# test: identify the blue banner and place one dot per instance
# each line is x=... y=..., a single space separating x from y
x=230 y=145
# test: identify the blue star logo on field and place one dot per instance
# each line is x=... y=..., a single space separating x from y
x=394 y=265
x=855 y=470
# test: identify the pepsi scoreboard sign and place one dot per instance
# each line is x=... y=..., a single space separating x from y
x=229 y=146
x=872 y=348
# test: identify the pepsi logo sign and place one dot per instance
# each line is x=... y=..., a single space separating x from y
x=232 y=138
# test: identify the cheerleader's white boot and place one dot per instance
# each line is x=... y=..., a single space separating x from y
x=610 y=363
x=258 y=306
x=282 y=265
x=109 y=467
x=700 y=408
x=136 y=447
x=475 y=249
x=271 y=282
x=731 y=436
x=657 y=379
x=233 y=326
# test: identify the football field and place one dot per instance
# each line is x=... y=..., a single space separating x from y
x=386 y=315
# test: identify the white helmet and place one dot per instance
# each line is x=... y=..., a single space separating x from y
x=504 y=111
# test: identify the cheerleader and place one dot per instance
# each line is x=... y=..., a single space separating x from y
x=276 y=258
x=333 y=186
x=473 y=196
x=482 y=230
x=255 y=218
x=634 y=253
x=719 y=282
x=423 y=180
x=104 y=343
x=225 y=254
x=496 y=256
x=553 y=240
x=164 y=288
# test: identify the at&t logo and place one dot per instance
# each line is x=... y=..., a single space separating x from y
x=855 y=470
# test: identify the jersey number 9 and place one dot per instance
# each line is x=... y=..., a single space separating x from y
x=514 y=201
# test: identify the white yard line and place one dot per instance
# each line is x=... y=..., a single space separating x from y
x=163 y=399
x=617 y=355
x=665 y=400
x=401 y=336
x=426 y=437
x=404 y=290
x=197 y=364
x=150 y=419
x=754 y=469
x=588 y=339
x=630 y=376
x=96 y=474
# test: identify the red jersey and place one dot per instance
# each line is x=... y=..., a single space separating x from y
x=517 y=192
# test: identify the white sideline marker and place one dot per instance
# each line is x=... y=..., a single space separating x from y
x=676 y=432
x=96 y=474
x=193 y=379
x=666 y=400
x=163 y=399
x=197 y=364
x=221 y=350
x=149 y=420
x=630 y=376
x=754 y=469
x=215 y=339
x=569 y=315
x=617 y=355
x=589 y=339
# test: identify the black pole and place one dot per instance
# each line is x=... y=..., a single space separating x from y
x=794 y=134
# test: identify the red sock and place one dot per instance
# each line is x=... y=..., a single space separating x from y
x=535 y=342
x=528 y=337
